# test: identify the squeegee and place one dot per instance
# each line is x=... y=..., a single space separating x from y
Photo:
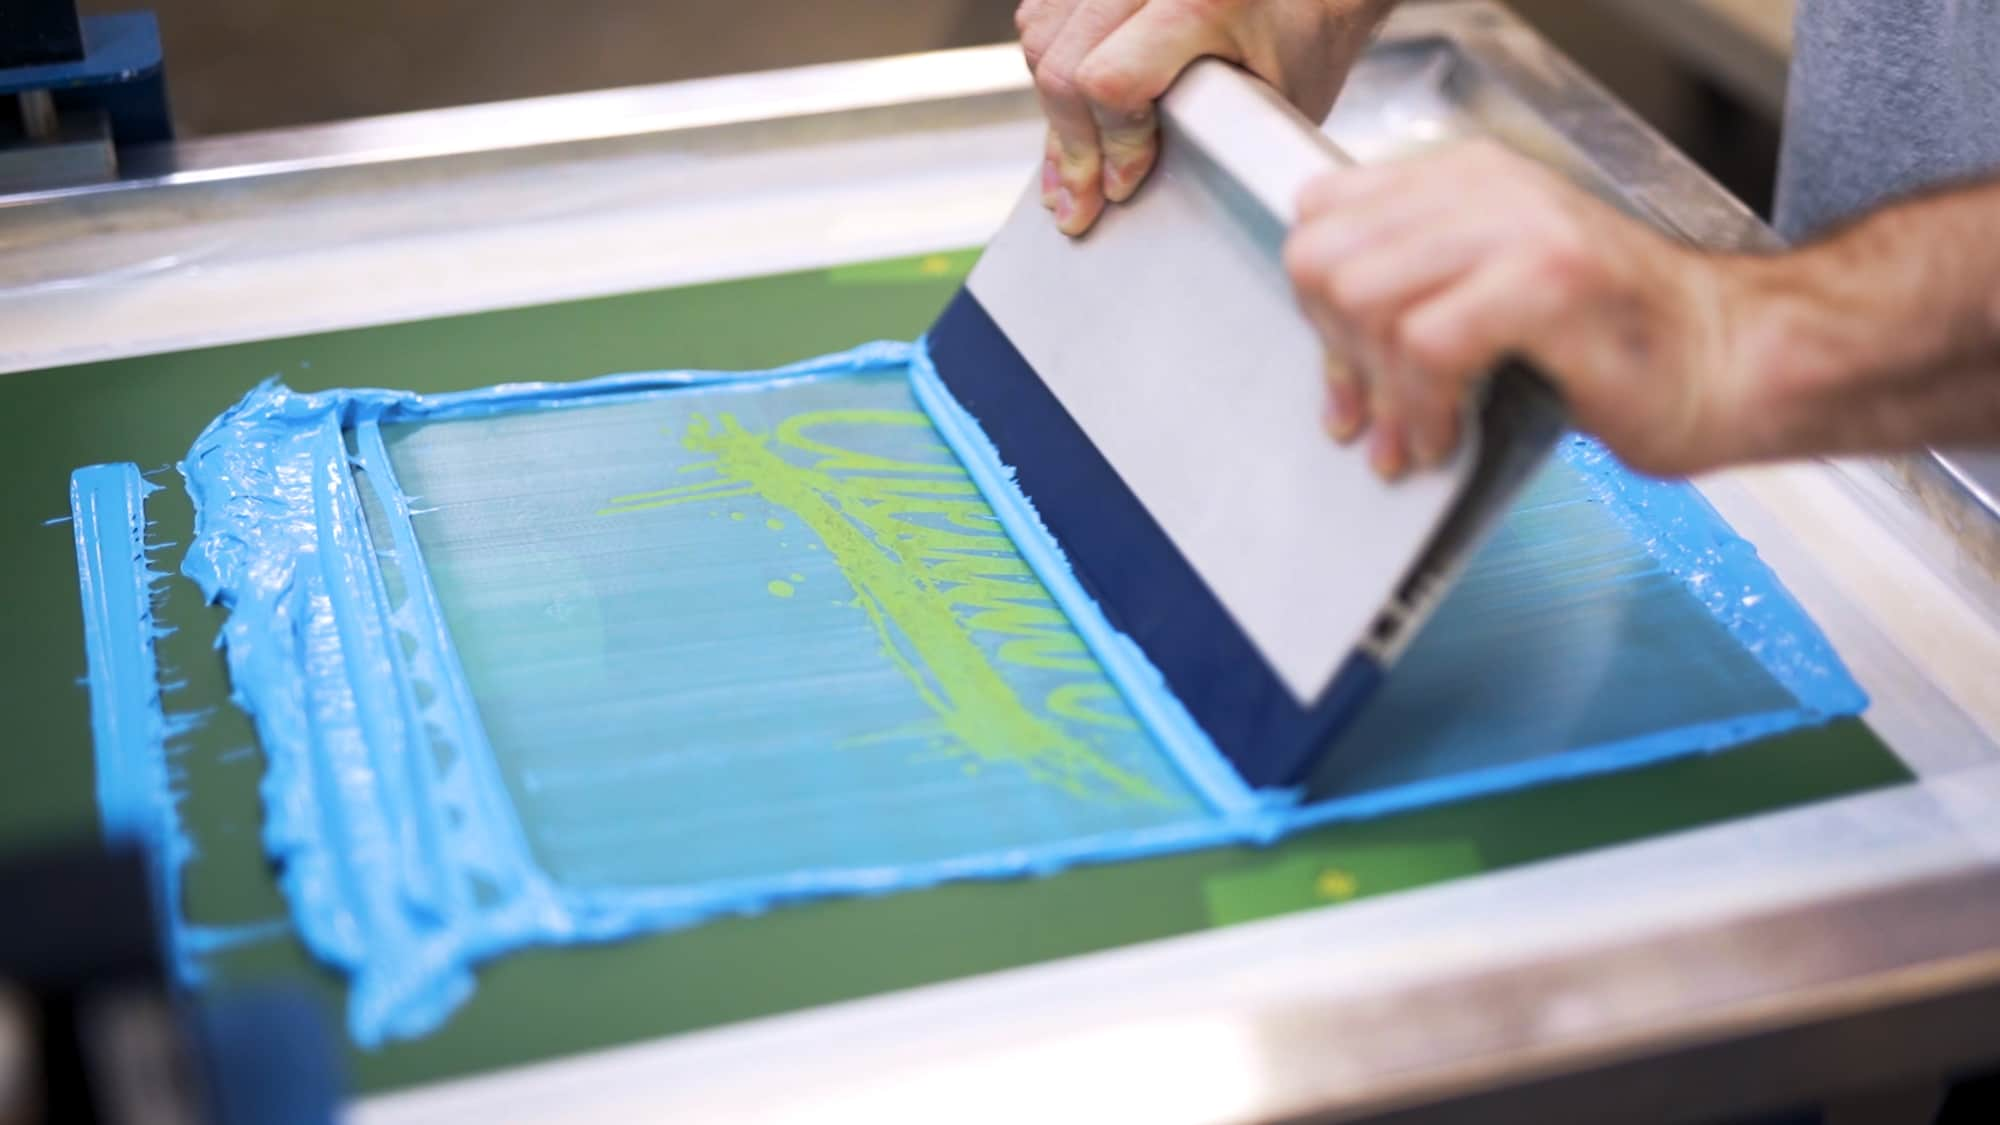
x=1157 y=392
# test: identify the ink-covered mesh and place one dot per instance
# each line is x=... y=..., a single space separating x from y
x=734 y=632
x=1573 y=632
x=576 y=662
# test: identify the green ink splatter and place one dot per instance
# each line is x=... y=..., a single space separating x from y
x=931 y=568
x=796 y=577
x=738 y=516
x=775 y=524
x=779 y=588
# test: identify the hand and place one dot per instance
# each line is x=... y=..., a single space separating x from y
x=1099 y=66
x=1424 y=274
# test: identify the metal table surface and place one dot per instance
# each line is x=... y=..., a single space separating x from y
x=1765 y=935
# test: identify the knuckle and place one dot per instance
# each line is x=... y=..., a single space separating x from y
x=1031 y=19
x=1350 y=291
x=1035 y=33
x=1316 y=197
x=1057 y=82
x=1558 y=266
x=1112 y=87
x=1347 y=293
x=1432 y=343
x=1301 y=265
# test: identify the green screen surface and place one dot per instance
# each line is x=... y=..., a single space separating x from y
x=544 y=1003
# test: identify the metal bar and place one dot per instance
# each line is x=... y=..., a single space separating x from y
x=563 y=119
x=1556 y=968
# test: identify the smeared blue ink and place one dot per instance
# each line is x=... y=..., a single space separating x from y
x=403 y=855
x=137 y=801
x=128 y=725
x=203 y=941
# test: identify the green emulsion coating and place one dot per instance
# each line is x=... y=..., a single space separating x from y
x=779 y=588
x=1305 y=876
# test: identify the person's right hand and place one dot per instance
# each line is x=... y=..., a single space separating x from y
x=1099 y=66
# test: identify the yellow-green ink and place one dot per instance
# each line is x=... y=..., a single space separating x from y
x=779 y=588
x=931 y=567
x=1336 y=885
x=737 y=516
x=775 y=525
x=796 y=577
x=1073 y=701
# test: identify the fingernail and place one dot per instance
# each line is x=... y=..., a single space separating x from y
x=1065 y=205
x=1422 y=444
x=1385 y=454
x=1051 y=181
x=1341 y=419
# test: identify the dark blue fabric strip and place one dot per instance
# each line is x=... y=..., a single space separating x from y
x=1122 y=556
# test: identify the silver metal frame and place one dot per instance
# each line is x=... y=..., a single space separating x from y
x=1724 y=965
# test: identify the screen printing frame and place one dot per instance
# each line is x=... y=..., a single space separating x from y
x=1762 y=934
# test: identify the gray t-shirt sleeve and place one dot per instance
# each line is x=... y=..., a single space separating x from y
x=1887 y=97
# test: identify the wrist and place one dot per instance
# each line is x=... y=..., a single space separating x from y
x=1806 y=332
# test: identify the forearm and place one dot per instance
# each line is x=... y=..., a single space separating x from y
x=1885 y=336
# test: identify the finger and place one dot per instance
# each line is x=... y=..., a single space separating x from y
x=1131 y=146
x=1358 y=186
x=1318 y=249
x=1432 y=414
x=1346 y=411
x=1378 y=281
x=1450 y=341
x=1051 y=176
x=1125 y=74
x=1037 y=22
x=1386 y=452
x=1079 y=158
x=1467 y=329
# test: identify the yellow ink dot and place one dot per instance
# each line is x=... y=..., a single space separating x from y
x=1336 y=884
x=775 y=525
x=779 y=588
x=936 y=265
x=738 y=516
x=796 y=577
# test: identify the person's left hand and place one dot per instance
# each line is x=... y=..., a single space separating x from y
x=1423 y=274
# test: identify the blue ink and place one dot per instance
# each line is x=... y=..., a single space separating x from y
x=398 y=820
x=130 y=731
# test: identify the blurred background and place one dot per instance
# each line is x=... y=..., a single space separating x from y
x=1707 y=72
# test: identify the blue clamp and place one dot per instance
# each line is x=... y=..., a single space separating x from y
x=120 y=71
